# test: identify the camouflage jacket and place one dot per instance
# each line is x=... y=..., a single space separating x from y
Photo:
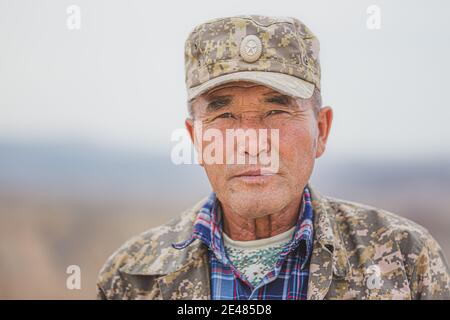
x=359 y=252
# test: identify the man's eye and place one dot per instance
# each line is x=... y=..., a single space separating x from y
x=226 y=115
x=274 y=112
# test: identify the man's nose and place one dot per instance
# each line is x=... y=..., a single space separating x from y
x=254 y=138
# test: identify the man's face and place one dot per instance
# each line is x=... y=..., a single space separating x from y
x=302 y=136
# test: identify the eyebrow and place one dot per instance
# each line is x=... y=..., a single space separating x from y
x=282 y=99
x=218 y=102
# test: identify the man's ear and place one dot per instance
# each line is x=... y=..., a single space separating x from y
x=189 y=123
x=190 y=127
x=324 y=120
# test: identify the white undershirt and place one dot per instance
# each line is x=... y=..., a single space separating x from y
x=255 y=258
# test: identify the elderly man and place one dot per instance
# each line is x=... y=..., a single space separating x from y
x=266 y=233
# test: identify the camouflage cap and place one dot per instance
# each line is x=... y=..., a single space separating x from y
x=281 y=53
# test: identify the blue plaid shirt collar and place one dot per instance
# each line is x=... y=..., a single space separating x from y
x=208 y=229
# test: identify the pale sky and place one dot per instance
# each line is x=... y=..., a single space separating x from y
x=119 y=80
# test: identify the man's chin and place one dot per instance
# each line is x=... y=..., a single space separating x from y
x=257 y=203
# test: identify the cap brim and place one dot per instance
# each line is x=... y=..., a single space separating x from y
x=280 y=82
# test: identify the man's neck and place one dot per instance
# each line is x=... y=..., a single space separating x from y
x=240 y=228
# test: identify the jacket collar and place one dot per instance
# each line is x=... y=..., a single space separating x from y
x=329 y=257
x=179 y=274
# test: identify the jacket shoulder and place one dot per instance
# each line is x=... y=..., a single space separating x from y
x=366 y=225
x=374 y=236
x=149 y=253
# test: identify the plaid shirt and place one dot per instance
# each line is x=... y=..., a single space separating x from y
x=287 y=281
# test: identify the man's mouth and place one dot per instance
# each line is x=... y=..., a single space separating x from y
x=253 y=175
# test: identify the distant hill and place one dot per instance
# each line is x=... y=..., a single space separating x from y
x=87 y=171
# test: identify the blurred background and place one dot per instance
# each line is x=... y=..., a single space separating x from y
x=87 y=114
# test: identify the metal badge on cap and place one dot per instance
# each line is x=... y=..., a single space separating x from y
x=251 y=48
